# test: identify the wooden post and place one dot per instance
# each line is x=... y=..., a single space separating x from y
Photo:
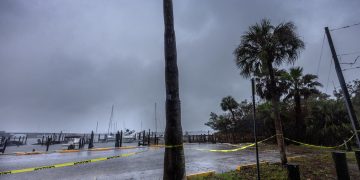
x=42 y=140
x=80 y=143
x=357 y=155
x=5 y=144
x=47 y=143
x=117 y=137
x=143 y=138
x=60 y=136
x=149 y=138
x=91 y=143
x=121 y=134
x=293 y=171
x=341 y=165
x=155 y=139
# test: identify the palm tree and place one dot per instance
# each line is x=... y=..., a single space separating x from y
x=300 y=86
x=229 y=104
x=262 y=48
x=263 y=84
x=174 y=159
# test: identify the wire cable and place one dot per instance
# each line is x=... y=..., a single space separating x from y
x=327 y=83
x=346 y=54
x=351 y=68
x=351 y=63
x=322 y=46
x=344 y=27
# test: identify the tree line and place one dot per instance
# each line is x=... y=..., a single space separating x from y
x=291 y=104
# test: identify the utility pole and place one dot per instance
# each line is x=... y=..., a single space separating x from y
x=349 y=106
x=255 y=134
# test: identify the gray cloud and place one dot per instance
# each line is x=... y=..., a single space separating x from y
x=64 y=63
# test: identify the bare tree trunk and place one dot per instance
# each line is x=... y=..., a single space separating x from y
x=174 y=159
x=276 y=112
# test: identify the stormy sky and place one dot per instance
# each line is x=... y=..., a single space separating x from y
x=64 y=63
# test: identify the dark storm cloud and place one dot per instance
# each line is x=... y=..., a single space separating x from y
x=64 y=63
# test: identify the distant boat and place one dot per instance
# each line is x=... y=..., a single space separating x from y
x=128 y=136
x=71 y=141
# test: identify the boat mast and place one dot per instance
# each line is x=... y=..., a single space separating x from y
x=97 y=124
x=155 y=120
x=111 y=117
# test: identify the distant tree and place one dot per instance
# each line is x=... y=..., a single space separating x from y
x=174 y=160
x=220 y=123
x=300 y=87
x=228 y=103
x=262 y=48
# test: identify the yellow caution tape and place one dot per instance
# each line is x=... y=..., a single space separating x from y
x=173 y=146
x=67 y=164
x=237 y=149
x=317 y=146
x=253 y=144
x=71 y=150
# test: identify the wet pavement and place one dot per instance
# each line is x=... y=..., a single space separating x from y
x=148 y=164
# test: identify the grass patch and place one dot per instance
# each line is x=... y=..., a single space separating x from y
x=270 y=171
x=313 y=163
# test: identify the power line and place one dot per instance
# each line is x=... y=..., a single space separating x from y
x=344 y=27
x=350 y=53
x=351 y=68
x=351 y=63
x=322 y=46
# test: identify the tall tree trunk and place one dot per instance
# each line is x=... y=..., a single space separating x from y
x=299 y=122
x=174 y=159
x=276 y=114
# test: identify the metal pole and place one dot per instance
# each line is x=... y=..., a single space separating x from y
x=255 y=134
x=349 y=106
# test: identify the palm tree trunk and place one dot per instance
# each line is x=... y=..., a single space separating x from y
x=233 y=128
x=276 y=114
x=299 y=123
x=174 y=159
